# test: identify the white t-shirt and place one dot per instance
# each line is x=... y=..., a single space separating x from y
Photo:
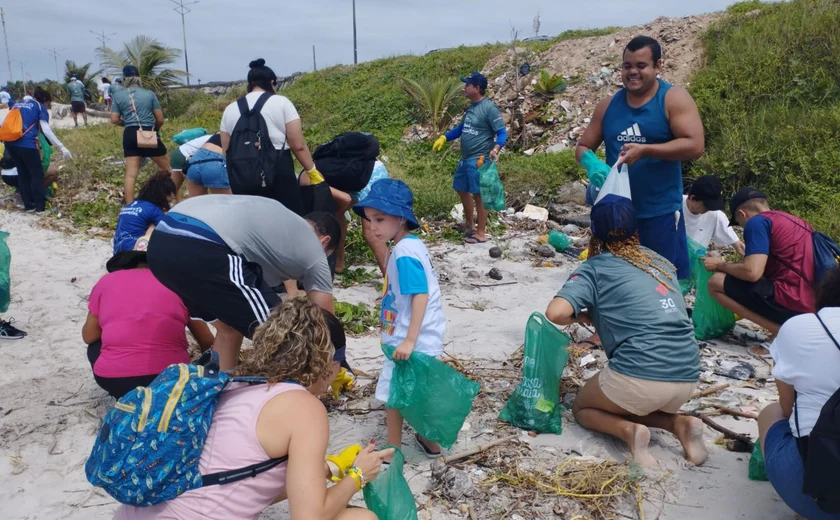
x=106 y=91
x=808 y=360
x=712 y=225
x=277 y=111
x=409 y=272
x=189 y=148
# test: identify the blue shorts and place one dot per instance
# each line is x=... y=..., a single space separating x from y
x=466 y=176
x=786 y=472
x=667 y=236
x=208 y=168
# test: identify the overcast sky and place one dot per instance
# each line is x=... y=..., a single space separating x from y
x=224 y=35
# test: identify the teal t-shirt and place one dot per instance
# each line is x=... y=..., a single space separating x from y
x=145 y=101
x=481 y=122
x=76 y=90
x=644 y=327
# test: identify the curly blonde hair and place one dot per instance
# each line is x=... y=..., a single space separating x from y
x=293 y=344
x=630 y=251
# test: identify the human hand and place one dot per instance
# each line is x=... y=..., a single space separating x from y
x=494 y=154
x=66 y=153
x=712 y=263
x=631 y=152
x=404 y=350
x=439 y=142
x=369 y=460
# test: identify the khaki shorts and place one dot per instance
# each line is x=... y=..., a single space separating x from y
x=642 y=396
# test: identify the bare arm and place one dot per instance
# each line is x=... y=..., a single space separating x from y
x=322 y=299
x=689 y=141
x=91 y=331
x=739 y=247
x=787 y=395
x=750 y=270
x=292 y=288
x=594 y=134
x=201 y=333
x=418 y=313
x=116 y=120
x=294 y=136
x=158 y=118
x=225 y=141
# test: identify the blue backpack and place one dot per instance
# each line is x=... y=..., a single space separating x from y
x=149 y=446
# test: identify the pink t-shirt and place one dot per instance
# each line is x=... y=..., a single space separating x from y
x=142 y=324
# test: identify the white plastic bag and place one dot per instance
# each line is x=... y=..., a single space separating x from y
x=618 y=183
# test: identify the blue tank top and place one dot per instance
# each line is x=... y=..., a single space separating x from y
x=656 y=185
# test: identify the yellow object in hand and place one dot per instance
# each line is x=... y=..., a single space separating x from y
x=584 y=254
x=438 y=146
x=340 y=463
x=315 y=176
x=342 y=382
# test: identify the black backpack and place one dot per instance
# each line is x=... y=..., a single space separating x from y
x=821 y=452
x=347 y=161
x=88 y=96
x=251 y=158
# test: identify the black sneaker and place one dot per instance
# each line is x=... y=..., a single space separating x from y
x=8 y=331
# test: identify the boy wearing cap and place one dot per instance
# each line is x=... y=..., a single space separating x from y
x=482 y=133
x=776 y=279
x=412 y=314
x=704 y=217
x=654 y=359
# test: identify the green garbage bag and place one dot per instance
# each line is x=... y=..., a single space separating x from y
x=756 y=471
x=694 y=252
x=5 y=279
x=492 y=190
x=433 y=398
x=389 y=497
x=558 y=240
x=710 y=319
x=535 y=405
x=46 y=152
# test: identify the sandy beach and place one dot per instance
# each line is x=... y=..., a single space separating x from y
x=50 y=406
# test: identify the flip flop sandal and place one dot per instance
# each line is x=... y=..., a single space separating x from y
x=430 y=454
x=756 y=350
x=472 y=239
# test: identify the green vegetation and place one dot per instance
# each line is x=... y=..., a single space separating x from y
x=433 y=101
x=550 y=84
x=83 y=73
x=357 y=319
x=770 y=101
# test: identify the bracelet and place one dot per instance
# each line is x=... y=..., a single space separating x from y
x=358 y=476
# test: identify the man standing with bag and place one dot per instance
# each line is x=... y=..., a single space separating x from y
x=482 y=133
x=652 y=127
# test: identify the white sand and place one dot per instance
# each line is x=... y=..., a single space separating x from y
x=50 y=405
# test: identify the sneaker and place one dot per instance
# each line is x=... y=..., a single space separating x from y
x=9 y=331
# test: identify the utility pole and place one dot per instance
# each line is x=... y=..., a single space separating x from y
x=22 y=74
x=355 y=47
x=314 y=63
x=103 y=38
x=6 y=41
x=55 y=54
x=182 y=9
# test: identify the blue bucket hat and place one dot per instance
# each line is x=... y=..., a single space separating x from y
x=613 y=219
x=392 y=197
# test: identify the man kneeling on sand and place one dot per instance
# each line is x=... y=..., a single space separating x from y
x=631 y=295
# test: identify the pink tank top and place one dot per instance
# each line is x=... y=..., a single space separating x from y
x=231 y=443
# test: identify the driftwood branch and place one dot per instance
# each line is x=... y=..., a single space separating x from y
x=737 y=413
x=476 y=450
x=727 y=433
x=492 y=284
x=710 y=391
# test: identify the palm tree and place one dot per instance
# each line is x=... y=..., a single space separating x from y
x=150 y=57
x=82 y=72
x=433 y=100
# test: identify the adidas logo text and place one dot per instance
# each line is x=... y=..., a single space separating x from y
x=632 y=135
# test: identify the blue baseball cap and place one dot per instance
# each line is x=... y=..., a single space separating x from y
x=130 y=71
x=392 y=197
x=73 y=76
x=477 y=79
x=613 y=219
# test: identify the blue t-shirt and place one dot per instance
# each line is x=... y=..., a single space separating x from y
x=134 y=220
x=757 y=236
x=31 y=112
x=656 y=185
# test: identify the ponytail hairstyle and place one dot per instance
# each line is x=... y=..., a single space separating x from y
x=261 y=76
x=158 y=189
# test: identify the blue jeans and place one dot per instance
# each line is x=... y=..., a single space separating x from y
x=466 y=176
x=208 y=168
x=786 y=472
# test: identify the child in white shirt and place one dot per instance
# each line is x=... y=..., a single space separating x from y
x=704 y=217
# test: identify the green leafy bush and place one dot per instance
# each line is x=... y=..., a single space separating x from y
x=550 y=84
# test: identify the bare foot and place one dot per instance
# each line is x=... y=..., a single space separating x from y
x=639 y=447
x=689 y=431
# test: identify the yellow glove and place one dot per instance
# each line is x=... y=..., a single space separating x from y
x=438 y=146
x=315 y=176
x=584 y=254
x=340 y=463
x=342 y=382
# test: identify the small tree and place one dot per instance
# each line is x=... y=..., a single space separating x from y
x=433 y=100
x=537 y=24
x=151 y=59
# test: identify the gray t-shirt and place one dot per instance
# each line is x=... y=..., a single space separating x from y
x=76 y=90
x=145 y=100
x=481 y=122
x=266 y=232
x=643 y=324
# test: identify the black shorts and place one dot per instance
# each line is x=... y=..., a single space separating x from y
x=78 y=107
x=757 y=297
x=115 y=386
x=214 y=282
x=130 y=148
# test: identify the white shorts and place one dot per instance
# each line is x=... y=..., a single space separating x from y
x=383 y=386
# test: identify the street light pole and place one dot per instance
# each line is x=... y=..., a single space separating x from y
x=355 y=46
x=182 y=9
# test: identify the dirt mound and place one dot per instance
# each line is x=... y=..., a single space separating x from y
x=591 y=68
